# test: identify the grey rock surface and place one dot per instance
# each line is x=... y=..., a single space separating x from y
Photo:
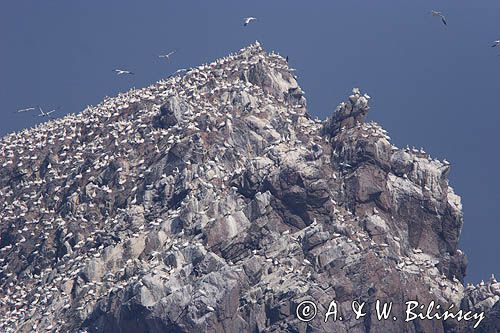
x=212 y=202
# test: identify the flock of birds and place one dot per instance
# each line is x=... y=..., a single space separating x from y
x=39 y=108
x=127 y=72
x=225 y=71
x=127 y=131
x=207 y=106
x=436 y=13
x=120 y=72
x=124 y=131
x=247 y=21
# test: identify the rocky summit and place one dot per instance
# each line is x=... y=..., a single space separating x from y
x=212 y=201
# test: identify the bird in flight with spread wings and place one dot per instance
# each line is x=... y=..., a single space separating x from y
x=166 y=56
x=249 y=20
x=439 y=14
x=122 y=72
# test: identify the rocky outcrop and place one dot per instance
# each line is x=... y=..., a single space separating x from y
x=213 y=202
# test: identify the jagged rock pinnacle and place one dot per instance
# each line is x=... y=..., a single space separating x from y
x=211 y=201
x=348 y=113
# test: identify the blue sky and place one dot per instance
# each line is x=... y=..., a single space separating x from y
x=432 y=86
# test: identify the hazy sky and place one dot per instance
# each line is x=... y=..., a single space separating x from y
x=431 y=86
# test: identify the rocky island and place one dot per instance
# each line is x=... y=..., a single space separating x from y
x=212 y=201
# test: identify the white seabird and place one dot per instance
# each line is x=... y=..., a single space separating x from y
x=439 y=14
x=166 y=56
x=45 y=114
x=496 y=43
x=26 y=110
x=121 y=72
x=249 y=20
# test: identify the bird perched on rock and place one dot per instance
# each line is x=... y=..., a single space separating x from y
x=439 y=14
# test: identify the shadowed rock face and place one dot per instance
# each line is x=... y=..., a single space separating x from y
x=212 y=202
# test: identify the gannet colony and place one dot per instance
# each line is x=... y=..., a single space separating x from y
x=211 y=201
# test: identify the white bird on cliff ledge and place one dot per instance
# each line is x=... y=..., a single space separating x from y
x=249 y=20
x=439 y=14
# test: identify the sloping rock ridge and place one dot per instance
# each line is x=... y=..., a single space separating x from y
x=212 y=202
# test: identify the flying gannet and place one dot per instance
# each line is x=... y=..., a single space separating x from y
x=496 y=43
x=26 y=110
x=249 y=20
x=45 y=114
x=121 y=72
x=166 y=56
x=439 y=14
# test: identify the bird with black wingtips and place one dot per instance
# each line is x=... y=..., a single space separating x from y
x=496 y=43
x=249 y=20
x=48 y=113
x=439 y=14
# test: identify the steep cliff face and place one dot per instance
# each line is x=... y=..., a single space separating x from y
x=211 y=201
